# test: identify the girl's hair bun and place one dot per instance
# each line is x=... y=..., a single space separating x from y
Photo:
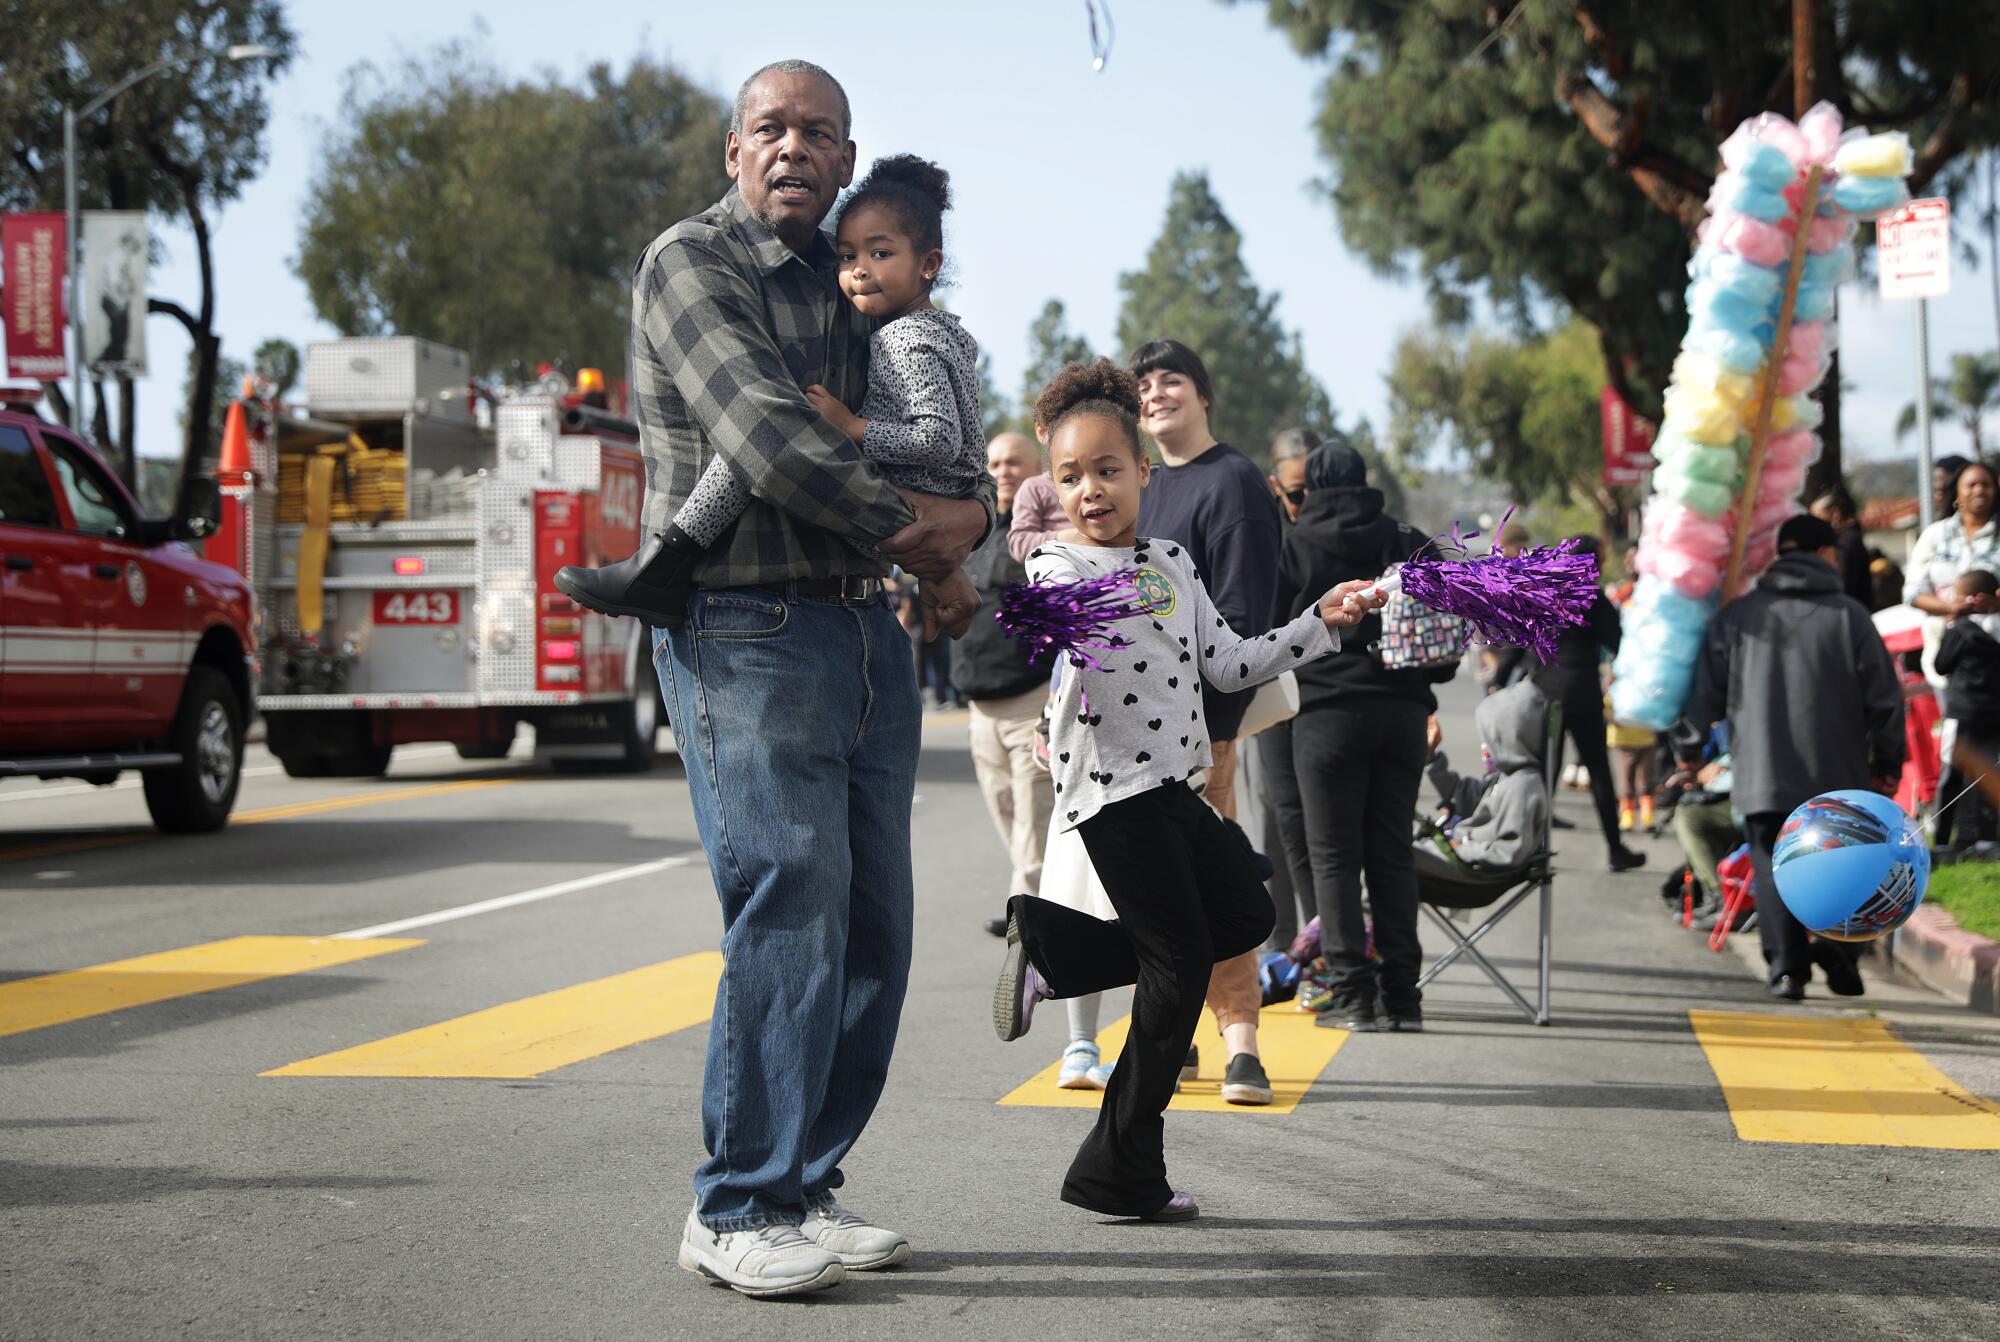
x=915 y=190
x=917 y=174
x=1101 y=387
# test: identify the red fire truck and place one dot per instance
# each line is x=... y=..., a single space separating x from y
x=402 y=532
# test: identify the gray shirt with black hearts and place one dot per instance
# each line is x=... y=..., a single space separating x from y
x=1134 y=721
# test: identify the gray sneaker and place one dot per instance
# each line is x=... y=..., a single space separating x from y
x=770 y=1260
x=861 y=1247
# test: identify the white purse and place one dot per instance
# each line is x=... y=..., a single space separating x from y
x=1276 y=701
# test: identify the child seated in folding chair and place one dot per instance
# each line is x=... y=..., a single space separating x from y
x=1496 y=822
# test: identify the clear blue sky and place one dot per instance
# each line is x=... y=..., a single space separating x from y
x=1061 y=174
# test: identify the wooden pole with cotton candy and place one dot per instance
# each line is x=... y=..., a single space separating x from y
x=1760 y=433
x=1738 y=435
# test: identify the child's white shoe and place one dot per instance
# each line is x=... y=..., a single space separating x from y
x=1080 y=1069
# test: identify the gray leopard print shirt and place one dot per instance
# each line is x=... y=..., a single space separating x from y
x=922 y=409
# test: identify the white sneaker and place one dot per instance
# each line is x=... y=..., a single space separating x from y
x=859 y=1246
x=1080 y=1067
x=770 y=1260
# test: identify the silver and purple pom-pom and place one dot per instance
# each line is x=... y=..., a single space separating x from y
x=1526 y=601
x=1071 y=619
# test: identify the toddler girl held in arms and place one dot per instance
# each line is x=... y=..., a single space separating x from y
x=920 y=418
x=1126 y=735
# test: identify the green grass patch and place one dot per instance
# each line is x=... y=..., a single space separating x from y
x=1970 y=892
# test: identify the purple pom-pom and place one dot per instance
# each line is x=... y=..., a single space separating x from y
x=1526 y=601
x=1072 y=619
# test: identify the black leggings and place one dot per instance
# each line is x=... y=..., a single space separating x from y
x=1187 y=896
x=1583 y=723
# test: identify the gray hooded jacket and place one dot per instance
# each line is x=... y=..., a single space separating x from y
x=1506 y=812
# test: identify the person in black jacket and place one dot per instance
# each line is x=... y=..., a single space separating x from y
x=1005 y=687
x=1575 y=679
x=1813 y=705
x=1968 y=657
x=1836 y=508
x=1358 y=752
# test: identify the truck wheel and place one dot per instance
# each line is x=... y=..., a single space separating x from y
x=303 y=766
x=196 y=795
x=483 y=750
x=365 y=760
x=636 y=731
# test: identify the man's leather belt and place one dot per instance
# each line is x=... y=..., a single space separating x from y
x=849 y=589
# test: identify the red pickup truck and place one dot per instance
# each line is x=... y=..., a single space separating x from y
x=119 y=648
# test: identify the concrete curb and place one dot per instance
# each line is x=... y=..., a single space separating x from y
x=1962 y=965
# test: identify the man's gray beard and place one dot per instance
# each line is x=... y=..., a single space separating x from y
x=768 y=218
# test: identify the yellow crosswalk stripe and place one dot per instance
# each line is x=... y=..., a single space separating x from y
x=54 y=999
x=1295 y=1053
x=1845 y=1082
x=539 y=1034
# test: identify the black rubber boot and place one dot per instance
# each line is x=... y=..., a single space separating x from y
x=653 y=585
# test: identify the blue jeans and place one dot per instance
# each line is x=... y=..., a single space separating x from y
x=800 y=726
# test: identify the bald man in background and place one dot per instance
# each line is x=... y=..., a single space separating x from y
x=1005 y=688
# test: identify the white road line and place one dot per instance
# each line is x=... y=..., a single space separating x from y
x=509 y=901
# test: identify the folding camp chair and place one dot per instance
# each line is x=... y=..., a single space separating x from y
x=1469 y=888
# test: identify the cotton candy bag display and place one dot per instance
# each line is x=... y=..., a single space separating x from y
x=1735 y=299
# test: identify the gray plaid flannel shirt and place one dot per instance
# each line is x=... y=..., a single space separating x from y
x=729 y=326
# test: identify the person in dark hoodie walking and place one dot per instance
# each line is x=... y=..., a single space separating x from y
x=1812 y=701
x=1358 y=751
x=1575 y=679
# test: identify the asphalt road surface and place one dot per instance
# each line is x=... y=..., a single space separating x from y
x=419 y=1057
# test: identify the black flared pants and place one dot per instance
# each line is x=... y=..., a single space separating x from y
x=1187 y=896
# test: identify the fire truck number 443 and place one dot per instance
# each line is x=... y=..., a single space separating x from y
x=416 y=608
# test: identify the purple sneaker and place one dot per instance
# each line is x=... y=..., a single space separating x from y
x=1018 y=988
x=1180 y=1207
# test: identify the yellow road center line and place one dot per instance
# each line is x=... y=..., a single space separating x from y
x=53 y=999
x=539 y=1034
x=262 y=815
x=1846 y=1082
x=325 y=804
x=1295 y=1052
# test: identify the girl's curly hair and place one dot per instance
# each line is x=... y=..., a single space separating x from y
x=1101 y=388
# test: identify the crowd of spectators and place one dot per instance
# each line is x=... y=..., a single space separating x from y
x=1796 y=695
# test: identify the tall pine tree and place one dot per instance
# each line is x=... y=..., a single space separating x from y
x=1051 y=344
x=1535 y=151
x=1194 y=288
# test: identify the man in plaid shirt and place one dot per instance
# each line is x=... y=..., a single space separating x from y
x=792 y=692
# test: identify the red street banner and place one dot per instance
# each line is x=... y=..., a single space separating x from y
x=1628 y=441
x=32 y=251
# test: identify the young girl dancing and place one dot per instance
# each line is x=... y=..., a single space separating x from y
x=1126 y=736
x=919 y=419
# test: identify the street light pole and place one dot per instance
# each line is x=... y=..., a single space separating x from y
x=74 y=311
x=241 y=51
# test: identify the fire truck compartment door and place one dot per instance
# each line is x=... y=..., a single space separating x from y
x=408 y=640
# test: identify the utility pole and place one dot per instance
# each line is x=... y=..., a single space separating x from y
x=1805 y=92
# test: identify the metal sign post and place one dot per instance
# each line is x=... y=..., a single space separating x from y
x=1913 y=260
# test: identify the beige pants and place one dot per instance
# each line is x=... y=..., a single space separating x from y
x=1233 y=992
x=1019 y=795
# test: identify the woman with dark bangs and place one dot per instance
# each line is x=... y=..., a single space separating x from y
x=1216 y=501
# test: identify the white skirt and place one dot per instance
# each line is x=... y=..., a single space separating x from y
x=1068 y=878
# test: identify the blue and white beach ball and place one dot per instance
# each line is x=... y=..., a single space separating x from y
x=1851 y=865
